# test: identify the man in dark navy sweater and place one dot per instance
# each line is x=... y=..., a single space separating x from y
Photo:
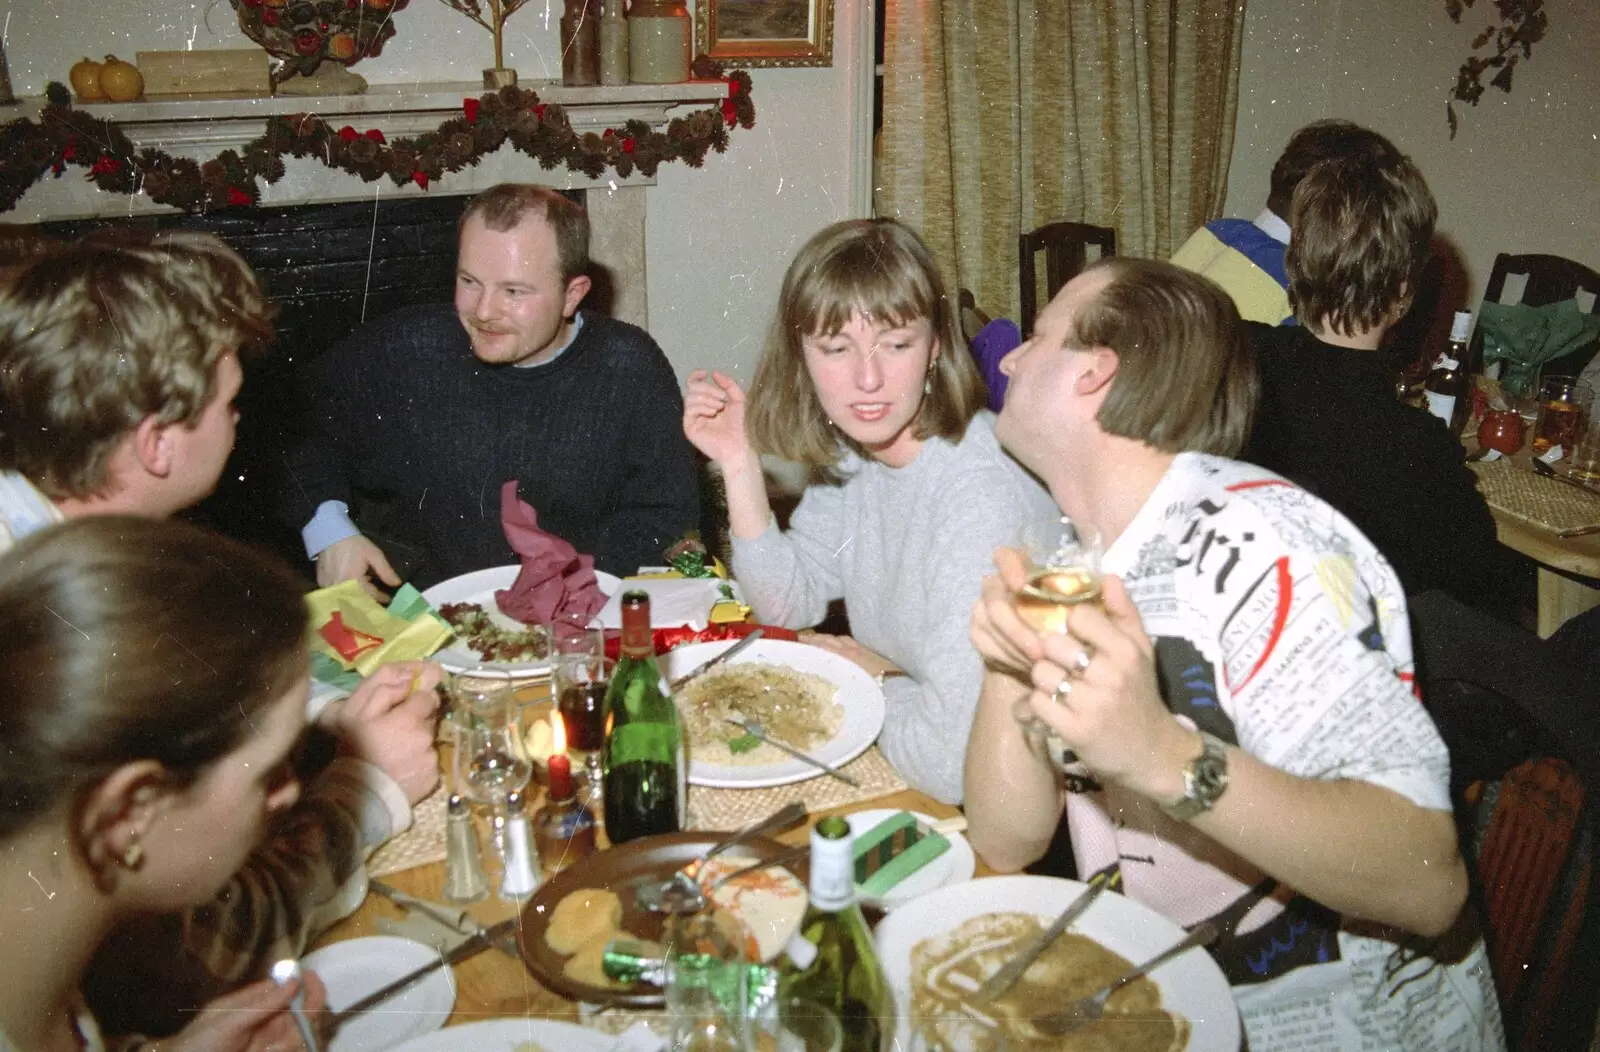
x=417 y=421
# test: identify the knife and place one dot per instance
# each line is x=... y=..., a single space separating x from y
x=1012 y=970
x=751 y=637
x=474 y=945
x=455 y=919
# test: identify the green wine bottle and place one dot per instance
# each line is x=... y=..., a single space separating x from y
x=642 y=757
x=831 y=959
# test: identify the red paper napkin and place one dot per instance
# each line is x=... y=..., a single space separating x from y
x=555 y=579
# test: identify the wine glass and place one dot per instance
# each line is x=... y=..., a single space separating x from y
x=1063 y=571
x=491 y=759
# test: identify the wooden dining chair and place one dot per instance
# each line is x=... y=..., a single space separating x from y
x=1529 y=840
x=1551 y=279
x=1066 y=252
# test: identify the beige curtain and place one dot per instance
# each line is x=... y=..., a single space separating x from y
x=1002 y=115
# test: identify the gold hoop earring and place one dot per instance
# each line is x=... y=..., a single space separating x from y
x=132 y=858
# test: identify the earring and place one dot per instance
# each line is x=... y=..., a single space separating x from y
x=133 y=858
x=927 y=381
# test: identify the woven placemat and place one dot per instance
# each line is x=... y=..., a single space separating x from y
x=417 y=846
x=731 y=808
x=1514 y=489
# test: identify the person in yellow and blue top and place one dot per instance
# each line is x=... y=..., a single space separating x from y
x=1246 y=256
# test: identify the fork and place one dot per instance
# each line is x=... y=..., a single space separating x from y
x=756 y=730
x=1086 y=1010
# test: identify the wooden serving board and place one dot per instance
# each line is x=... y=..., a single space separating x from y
x=232 y=70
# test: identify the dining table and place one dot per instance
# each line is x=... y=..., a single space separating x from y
x=1568 y=566
x=494 y=984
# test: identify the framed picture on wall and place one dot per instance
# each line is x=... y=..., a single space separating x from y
x=765 y=32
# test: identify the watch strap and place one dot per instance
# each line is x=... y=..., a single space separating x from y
x=1205 y=779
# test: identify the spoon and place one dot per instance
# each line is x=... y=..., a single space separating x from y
x=287 y=971
x=681 y=892
x=694 y=900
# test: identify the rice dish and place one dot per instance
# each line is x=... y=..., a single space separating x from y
x=797 y=708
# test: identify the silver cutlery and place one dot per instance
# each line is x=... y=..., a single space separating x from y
x=695 y=673
x=473 y=946
x=755 y=730
x=1008 y=974
x=284 y=972
x=681 y=892
x=1086 y=1010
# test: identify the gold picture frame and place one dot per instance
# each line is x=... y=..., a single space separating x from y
x=765 y=33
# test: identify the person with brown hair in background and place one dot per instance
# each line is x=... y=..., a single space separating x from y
x=1246 y=257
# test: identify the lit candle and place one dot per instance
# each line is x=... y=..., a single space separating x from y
x=558 y=735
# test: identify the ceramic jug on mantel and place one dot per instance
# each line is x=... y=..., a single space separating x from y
x=658 y=42
x=613 y=43
x=580 y=44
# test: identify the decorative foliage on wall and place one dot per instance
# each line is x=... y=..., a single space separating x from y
x=65 y=136
x=1519 y=25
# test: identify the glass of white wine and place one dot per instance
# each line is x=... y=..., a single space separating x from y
x=1063 y=571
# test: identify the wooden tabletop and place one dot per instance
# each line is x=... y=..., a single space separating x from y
x=1560 y=596
x=493 y=985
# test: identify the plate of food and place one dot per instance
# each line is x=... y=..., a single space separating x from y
x=484 y=636
x=813 y=699
x=938 y=949
x=354 y=968
x=569 y=920
x=512 y=1035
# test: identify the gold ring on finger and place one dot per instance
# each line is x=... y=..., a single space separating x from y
x=1063 y=690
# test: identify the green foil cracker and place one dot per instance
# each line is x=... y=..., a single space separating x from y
x=892 y=850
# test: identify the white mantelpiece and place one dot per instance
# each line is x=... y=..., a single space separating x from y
x=200 y=127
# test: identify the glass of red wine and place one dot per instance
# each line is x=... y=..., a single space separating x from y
x=580 y=682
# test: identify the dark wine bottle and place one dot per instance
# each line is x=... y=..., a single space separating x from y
x=642 y=757
x=831 y=959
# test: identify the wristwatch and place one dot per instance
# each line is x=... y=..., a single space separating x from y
x=1205 y=779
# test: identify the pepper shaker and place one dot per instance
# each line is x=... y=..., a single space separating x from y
x=463 y=865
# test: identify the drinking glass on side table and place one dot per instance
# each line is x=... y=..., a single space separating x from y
x=1063 y=571
x=1564 y=404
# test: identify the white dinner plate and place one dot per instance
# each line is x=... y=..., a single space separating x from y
x=1191 y=984
x=479 y=587
x=357 y=967
x=508 y=1035
x=956 y=865
x=674 y=601
x=858 y=693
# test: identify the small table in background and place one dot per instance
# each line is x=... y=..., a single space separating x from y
x=1519 y=500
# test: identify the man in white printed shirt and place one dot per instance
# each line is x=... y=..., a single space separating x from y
x=1246 y=740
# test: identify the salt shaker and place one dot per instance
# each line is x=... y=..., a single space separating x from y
x=521 y=873
x=463 y=865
